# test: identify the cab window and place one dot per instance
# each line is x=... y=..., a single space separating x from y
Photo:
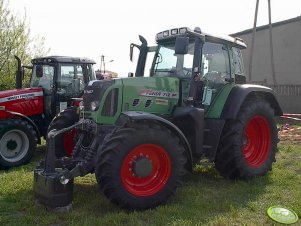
x=215 y=62
x=73 y=78
x=46 y=81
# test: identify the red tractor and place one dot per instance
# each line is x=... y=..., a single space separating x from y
x=26 y=113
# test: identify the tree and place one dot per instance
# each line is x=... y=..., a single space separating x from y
x=15 y=39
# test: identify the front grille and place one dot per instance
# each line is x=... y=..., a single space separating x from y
x=94 y=92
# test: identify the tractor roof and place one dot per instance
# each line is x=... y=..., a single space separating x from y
x=173 y=33
x=63 y=59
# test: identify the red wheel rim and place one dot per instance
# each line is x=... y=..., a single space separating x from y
x=257 y=141
x=69 y=141
x=159 y=173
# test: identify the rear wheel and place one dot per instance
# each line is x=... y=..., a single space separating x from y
x=64 y=143
x=248 y=144
x=18 y=141
x=140 y=167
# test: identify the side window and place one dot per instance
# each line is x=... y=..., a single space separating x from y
x=79 y=75
x=215 y=62
x=46 y=80
x=238 y=61
x=67 y=72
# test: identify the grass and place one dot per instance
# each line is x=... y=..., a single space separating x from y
x=205 y=199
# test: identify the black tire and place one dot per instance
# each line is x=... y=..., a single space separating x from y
x=248 y=144
x=18 y=142
x=149 y=150
x=64 y=143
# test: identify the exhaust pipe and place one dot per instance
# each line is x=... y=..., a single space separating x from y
x=142 y=57
x=19 y=74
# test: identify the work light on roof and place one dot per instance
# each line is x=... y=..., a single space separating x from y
x=174 y=31
x=159 y=35
x=171 y=33
x=183 y=30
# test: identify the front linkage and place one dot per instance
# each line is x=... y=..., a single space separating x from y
x=53 y=178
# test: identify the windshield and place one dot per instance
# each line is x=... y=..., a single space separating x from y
x=215 y=62
x=72 y=78
x=170 y=64
x=46 y=81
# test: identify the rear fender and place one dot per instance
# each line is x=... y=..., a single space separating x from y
x=240 y=93
x=24 y=117
x=132 y=116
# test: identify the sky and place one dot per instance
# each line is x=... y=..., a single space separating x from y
x=91 y=28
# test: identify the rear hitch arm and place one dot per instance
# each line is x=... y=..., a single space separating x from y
x=53 y=186
x=50 y=156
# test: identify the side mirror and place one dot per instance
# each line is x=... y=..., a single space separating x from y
x=181 y=46
x=39 y=71
x=130 y=74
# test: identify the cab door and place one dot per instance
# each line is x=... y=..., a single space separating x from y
x=216 y=71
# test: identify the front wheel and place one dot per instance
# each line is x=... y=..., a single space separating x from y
x=248 y=144
x=140 y=166
x=18 y=141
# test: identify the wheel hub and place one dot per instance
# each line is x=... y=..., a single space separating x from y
x=142 y=167
x=14 y=145
x=11 y=145
x=145 y=170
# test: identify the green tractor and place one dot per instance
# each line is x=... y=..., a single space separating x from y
x=142 y=135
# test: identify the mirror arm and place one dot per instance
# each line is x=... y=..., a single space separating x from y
x=131 y=50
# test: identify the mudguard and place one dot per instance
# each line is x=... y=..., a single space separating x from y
x=28 y=120
x=138 y=116
x=240 y=92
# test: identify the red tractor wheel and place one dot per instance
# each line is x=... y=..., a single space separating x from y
x=145 y=170
x=18 y=141
x=140 y=167
x=64 y=143
x=248 y=144
x=257 y=141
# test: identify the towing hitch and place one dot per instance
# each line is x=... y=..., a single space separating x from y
x=53 y=178
x=51 y=187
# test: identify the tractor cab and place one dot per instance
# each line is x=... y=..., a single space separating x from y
x=62 y=78
x=205 y=64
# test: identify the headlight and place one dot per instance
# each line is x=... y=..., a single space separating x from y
x=94 y=105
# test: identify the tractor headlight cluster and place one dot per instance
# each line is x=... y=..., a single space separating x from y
x=171 y=33
x=94 y=105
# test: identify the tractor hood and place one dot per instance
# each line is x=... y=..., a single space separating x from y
x=19 y=94
x=28 y=101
